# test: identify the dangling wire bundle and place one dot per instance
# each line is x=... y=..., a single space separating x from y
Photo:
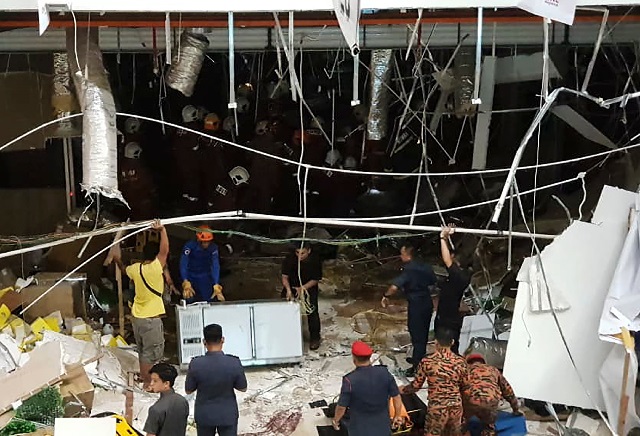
x=187 y=63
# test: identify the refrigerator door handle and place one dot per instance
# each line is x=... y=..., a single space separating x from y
x=252 y=323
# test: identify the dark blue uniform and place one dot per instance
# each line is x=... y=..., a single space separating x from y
x=366 y=392
x=415 y=281
x=201 y=266
x=215 y=377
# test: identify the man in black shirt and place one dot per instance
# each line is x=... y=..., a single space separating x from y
x=302 y=270
x=415 y=280
x=168 y=416
x=451 y=290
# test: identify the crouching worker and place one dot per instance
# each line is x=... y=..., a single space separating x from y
x=366 y=392
x=200 y=268
x=168 y=416
x=487 y=386
x=446 y=376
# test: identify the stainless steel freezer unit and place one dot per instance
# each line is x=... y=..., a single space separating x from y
x=261 y=332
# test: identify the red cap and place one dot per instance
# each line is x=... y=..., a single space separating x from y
x=360 y=349
x=475 y=357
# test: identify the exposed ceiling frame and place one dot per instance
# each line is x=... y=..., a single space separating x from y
x=273 y=5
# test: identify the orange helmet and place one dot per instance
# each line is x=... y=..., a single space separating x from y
x=204 y=235
x=212 y=122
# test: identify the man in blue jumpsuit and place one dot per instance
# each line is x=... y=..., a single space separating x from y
x=415 y=280
x=366 y=392
x=200 y=268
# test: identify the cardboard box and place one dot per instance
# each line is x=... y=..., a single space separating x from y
x=67 y=297
x=76 y=387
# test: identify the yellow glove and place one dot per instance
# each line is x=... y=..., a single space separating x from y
x=187 y=290
x=217 y=292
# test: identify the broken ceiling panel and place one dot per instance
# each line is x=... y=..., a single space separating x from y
x=582 y=126
x=43 y=369
x=523 y=68
x=581 y=261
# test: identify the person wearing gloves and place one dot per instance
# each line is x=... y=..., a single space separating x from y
x=200 y=268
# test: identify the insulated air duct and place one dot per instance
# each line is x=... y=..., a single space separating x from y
x=464 y=71
x=62 y=96
x=99 y=134
x=187 y=62
x=377 y=123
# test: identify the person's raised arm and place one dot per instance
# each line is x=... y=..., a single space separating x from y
x=163 y=253
x=444 y=245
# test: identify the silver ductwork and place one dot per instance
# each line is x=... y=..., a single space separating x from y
x=187 y=62
x=62 y=99
x=464 y=71
x=99 y=134
x=377 y=123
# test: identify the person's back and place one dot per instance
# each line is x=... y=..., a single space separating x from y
x=446 y=375
x=147 y=278
x=487 y=386
x=419 y=276
x=369 y=389
x=215 y=377
x=483 y=383
x=444 y=372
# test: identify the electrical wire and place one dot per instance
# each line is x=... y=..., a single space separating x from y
x=338 y=170
x=73 y=271
x=555 y=315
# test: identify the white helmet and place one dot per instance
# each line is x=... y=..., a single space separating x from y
x=350 y=163
x=202 y=112
x=333 y=157
x=244 y=90
x=132 y=125
x=262 y=127
x=189 y=114
x=239 y=175
x=132 y=150
x=361 y=112
x=243 y=105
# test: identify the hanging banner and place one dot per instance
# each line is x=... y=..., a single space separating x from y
x=348 y=15
x=562 y=11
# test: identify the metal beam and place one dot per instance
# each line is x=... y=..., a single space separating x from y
x=273 y=5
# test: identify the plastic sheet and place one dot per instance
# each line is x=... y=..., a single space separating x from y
x=464 y=70
x=187 y=63
x=377 y=123
x=99 y=134
x=493 y=350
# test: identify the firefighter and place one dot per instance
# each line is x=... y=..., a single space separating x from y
x=446 y=375
x=483 y=394
x=186 y=147
x=200 y=268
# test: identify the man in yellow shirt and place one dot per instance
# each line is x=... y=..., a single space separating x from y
x=148 y=306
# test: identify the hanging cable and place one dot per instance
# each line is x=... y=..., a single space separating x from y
x=233 y=105
x=555 y=315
